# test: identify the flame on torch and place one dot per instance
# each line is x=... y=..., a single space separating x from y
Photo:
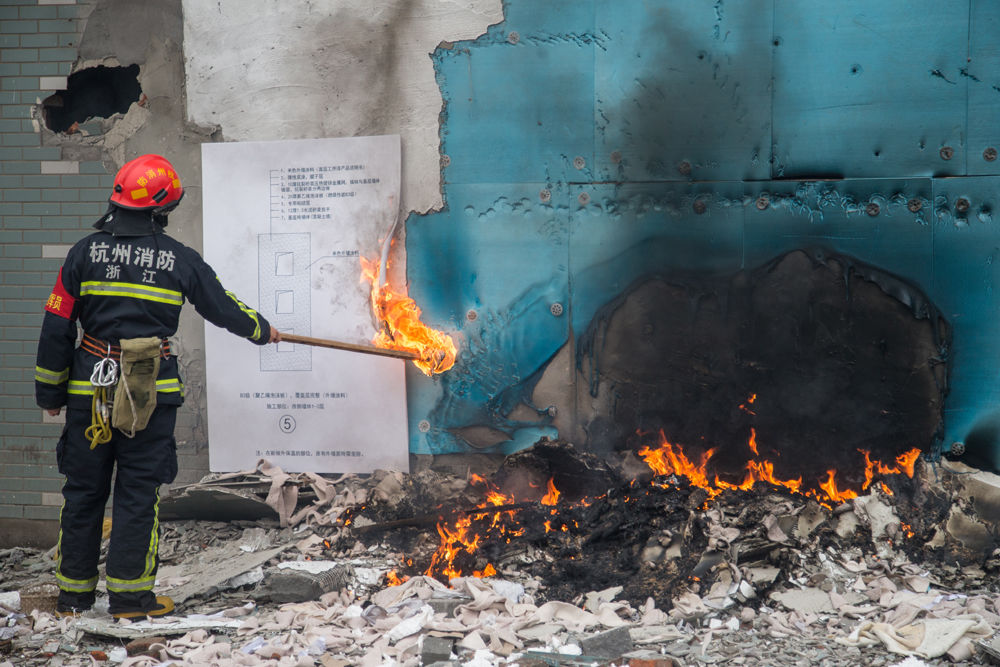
x=402 y=328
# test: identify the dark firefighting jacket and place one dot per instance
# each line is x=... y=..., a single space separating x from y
x=128 y=280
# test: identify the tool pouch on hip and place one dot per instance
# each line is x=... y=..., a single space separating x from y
x=135 y=395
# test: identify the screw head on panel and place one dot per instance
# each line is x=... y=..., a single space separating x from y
x=915 y=205
x=763 y=202
x=947 y=152
x=556 y=309
x=513 y=37
x=545 y=195
x=424 y=426
x=583 y=198
x=699 y=206
x=990 y=154
x=872 y=209
x=579 y=162
x=962 y=205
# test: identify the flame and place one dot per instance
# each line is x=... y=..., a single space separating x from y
x=552 y=497
x=905 y=463
x=495 y=518
x=392 y=579
x=670 y=459
x=403 y=329
x=460 y=537
x=487 y=571
x=829 y=487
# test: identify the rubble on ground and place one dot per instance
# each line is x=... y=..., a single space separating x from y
x=312 y=570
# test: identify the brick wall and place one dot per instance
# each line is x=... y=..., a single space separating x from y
x=46 y=204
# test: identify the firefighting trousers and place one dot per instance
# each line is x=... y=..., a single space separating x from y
x=138 y=467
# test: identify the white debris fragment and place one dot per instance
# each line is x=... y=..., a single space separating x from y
x=254 y=576
x=510 y=590
x=310 y=566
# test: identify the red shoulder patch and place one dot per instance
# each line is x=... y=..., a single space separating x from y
x=60 y=302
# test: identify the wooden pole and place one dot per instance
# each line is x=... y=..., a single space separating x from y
x=350 y=347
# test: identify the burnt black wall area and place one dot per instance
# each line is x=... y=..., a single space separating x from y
x=817 y=355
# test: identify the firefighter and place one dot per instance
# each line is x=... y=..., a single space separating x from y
x=125 y=285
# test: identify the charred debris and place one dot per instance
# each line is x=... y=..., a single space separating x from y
x=554 y=557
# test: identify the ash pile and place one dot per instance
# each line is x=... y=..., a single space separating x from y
x=552 y=558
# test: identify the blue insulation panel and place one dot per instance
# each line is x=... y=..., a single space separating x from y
x=593 y=144
x=835 y=214
x=501 y=127
x=683 y=91
x=983 y=75
x=965 y=285
x=624 y=233
x=866 y=89
x=494 y=265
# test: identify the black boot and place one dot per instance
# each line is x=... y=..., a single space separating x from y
x=71 y=604
x=139 y=605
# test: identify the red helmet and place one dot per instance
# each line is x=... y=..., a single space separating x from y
x=149 y=182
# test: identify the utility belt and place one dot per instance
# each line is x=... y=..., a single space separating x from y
x=100 y=348
x=129 y=370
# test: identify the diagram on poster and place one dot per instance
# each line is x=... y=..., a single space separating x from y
x=286 y=224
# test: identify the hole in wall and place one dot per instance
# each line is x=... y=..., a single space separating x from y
x=95 y=92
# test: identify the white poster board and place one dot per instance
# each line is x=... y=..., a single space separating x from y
x=285 y=226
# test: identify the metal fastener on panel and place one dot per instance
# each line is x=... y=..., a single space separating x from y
x=616 y=157
x=424 y=426
x=583 y=198
x=556 y=309
x=552 y=411
x=872 y=209
x=961 y=204
x=957 y=448
x=579 y=162
x=545 y=195
x=915 y=205
x=513 y=38
x=763 y=202
x=699 y=206
x=684 y=168
x=445 y=160
x=947 y=152
x=471 y=315
x=990 y=154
